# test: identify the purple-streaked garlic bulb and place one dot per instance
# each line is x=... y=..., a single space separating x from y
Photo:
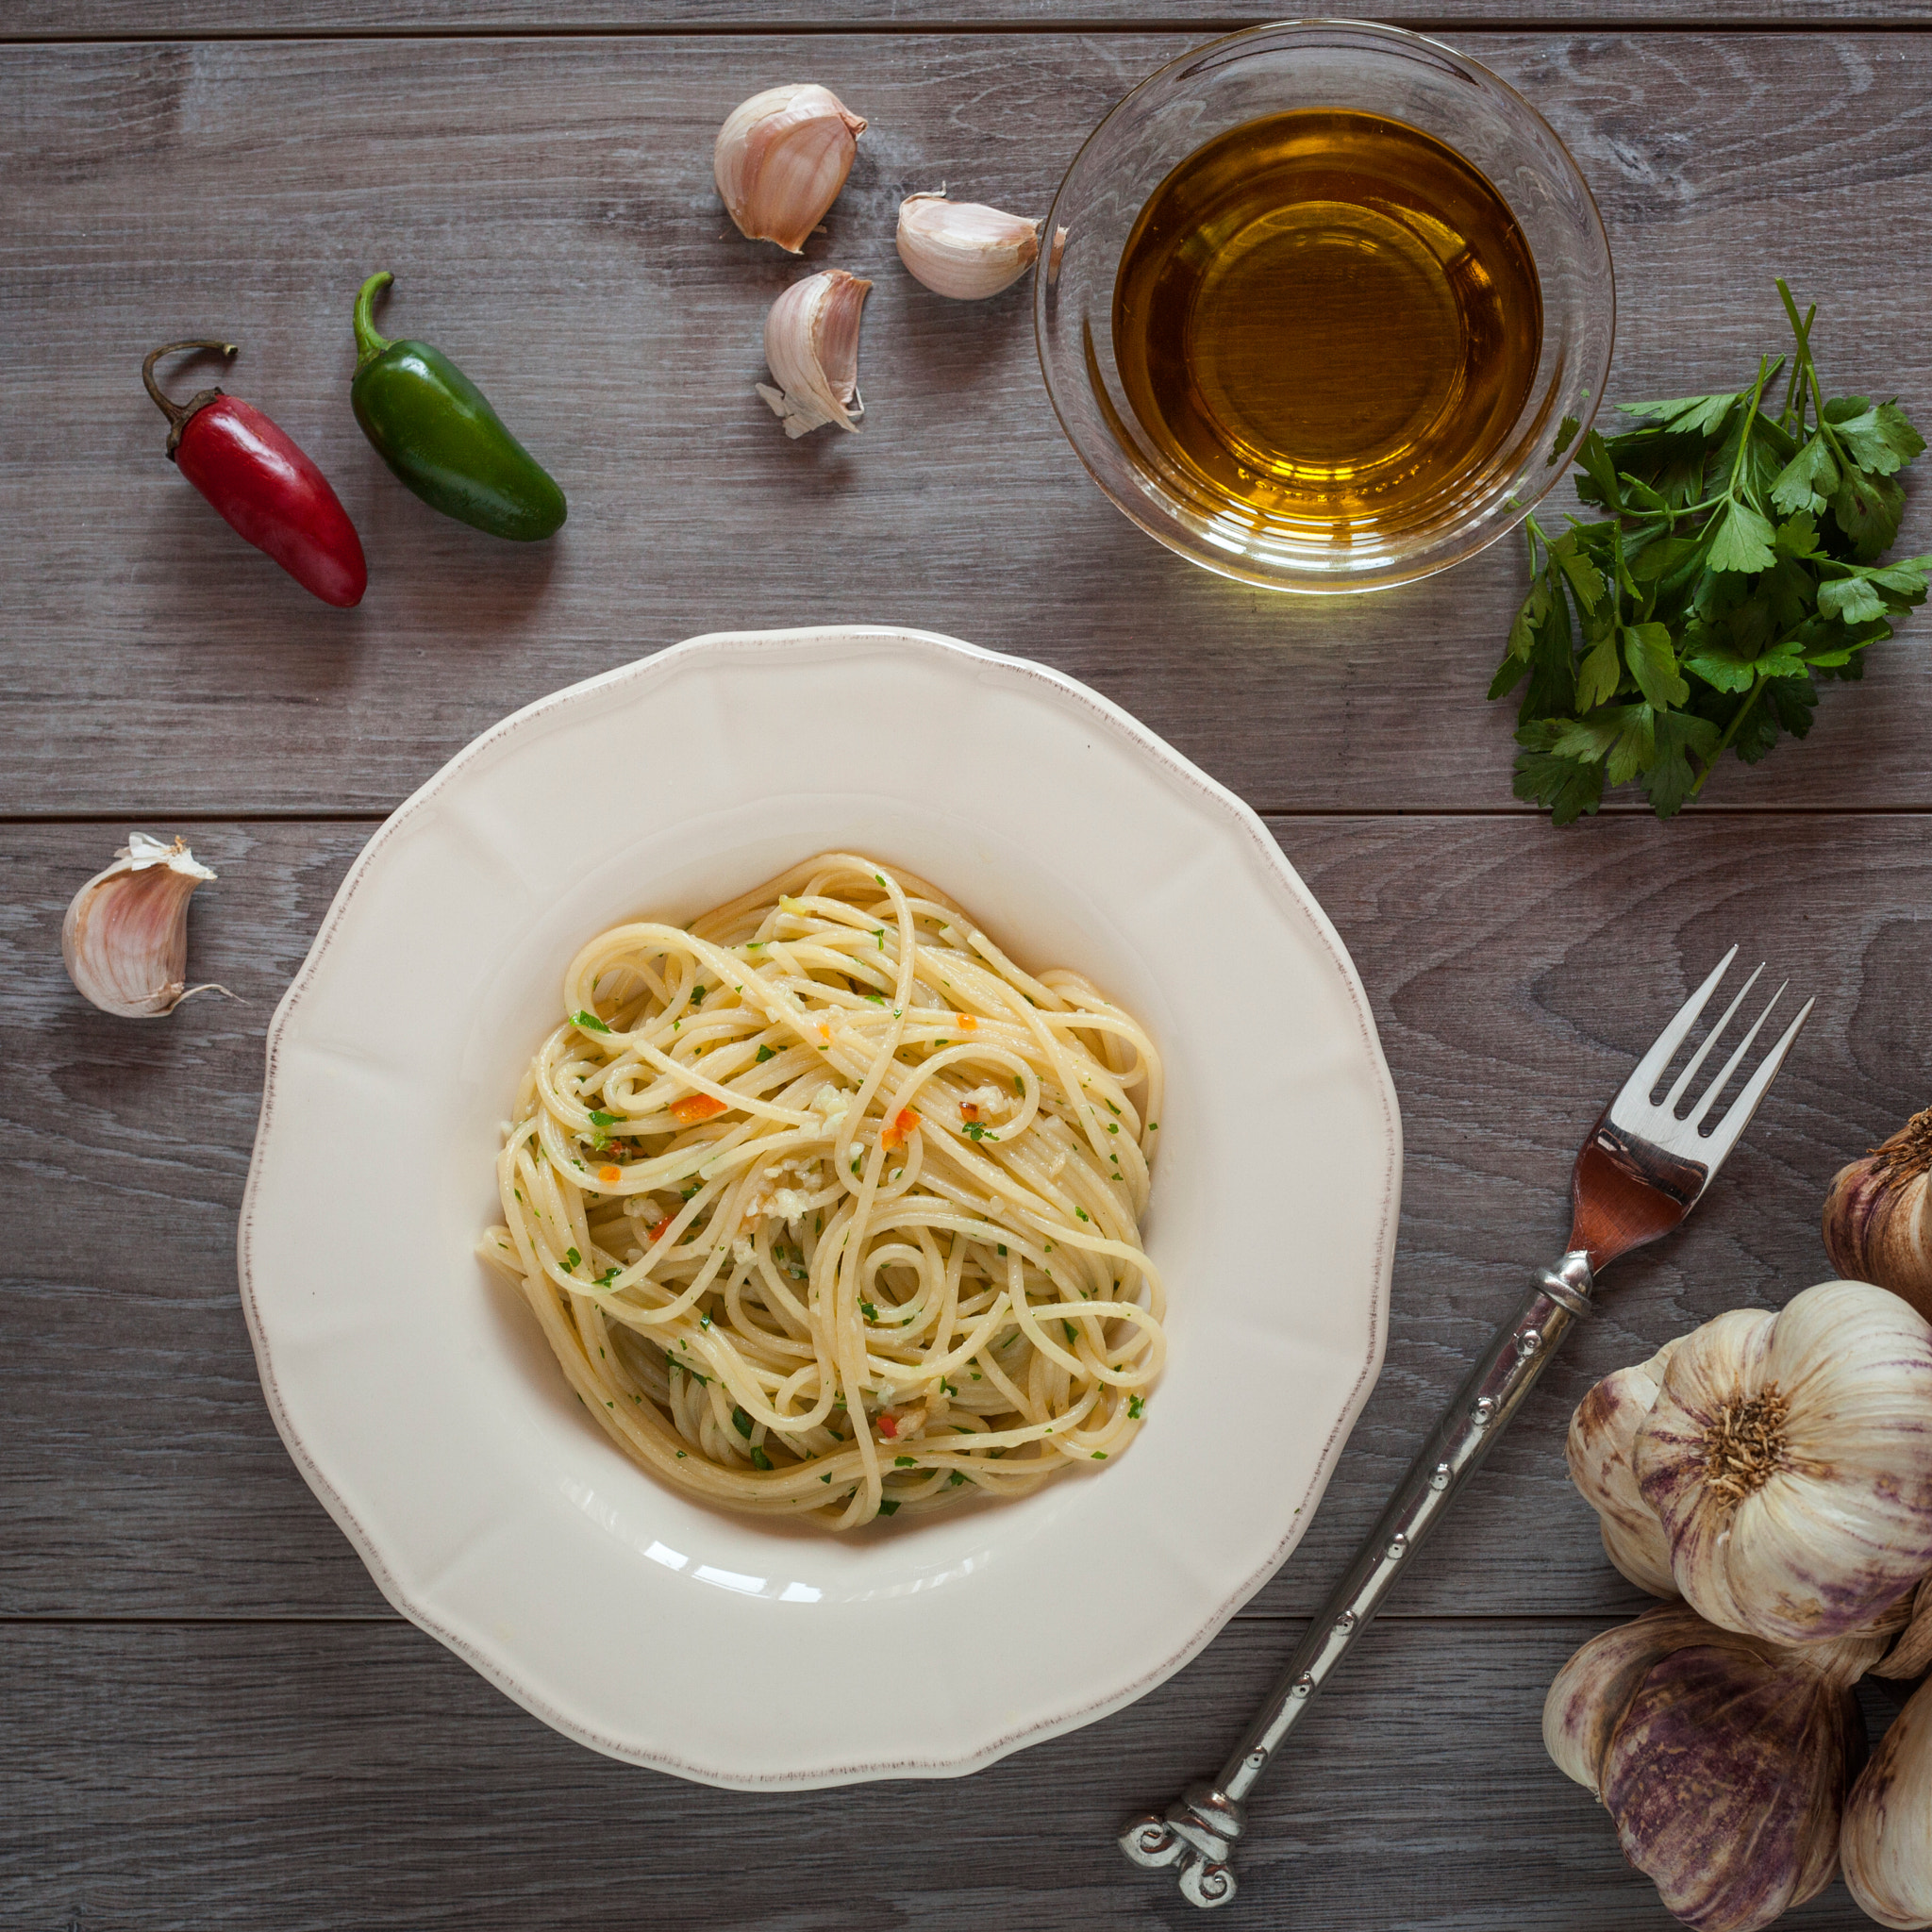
x=1789 y=1458
x=1722 y=1759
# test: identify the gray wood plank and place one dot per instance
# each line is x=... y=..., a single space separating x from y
x=316 y=1777
x=1513 y=971
x=548 y=206
x=101 y=19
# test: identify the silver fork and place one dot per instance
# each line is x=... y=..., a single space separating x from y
x=1643 y=1168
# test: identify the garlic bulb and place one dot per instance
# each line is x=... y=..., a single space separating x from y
x=1876 y=1226
x=781 y=158
x=811 y=341
x=963 y=248
x=1602 y=1435
x=1886 y=1845
x=1722 y=1759
x=1789 y=1460
x=125 y=935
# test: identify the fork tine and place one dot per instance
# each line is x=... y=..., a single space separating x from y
x=1710 y=1040
x=1731 y=1065
x=1723 y=1135
x=1650 y=1069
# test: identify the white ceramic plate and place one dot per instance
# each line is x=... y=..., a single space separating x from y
x=417 y=1397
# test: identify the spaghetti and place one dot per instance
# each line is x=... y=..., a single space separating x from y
x=828 y=1209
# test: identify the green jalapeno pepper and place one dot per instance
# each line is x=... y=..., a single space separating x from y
x=435 y=428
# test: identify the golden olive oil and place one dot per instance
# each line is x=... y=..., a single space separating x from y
x=1325 y=321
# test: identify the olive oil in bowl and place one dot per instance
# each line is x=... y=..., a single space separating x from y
x=1326 y=322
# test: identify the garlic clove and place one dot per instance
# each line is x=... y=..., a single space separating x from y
x=1876 y=1223
x=781 y=158
x=811 y=343
x=1602 y=1433
x=125 y=938
x=963 y=248
x=1788 y=1462
x=1886 y=1842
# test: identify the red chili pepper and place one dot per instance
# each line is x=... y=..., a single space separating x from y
x=263 y=484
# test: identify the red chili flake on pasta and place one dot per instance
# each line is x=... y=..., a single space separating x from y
x=889 y=1426
x=905 y=1124
x=968 y=1111
x=965 y=1022
x=694 y=1107
x=610 y=1175
x=660 y=1230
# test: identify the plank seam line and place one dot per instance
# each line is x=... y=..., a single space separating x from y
x=804 y=29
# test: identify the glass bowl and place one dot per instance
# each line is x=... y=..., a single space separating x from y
x=1267 y=70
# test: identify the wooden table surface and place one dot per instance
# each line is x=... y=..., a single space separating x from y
x=208 y=1717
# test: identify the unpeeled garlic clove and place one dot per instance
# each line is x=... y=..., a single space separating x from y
x=1886 y=1844
x=125 y=935
x=811 y=343
x=1787 y=1458
x=781 y=158
x=1602 y=1434
x=963 y=248
x=1877 y=1225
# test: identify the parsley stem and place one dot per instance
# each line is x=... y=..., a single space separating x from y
x=1808 y=368
x=1801 y=363
x=1764 y=369
x=1730 y=732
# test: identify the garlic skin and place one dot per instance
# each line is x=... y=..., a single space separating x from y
x=811 y=343
x=1722 y=1759
x=963 y=248
x=1726 y=1778
x=1911 y=1656
x=1886 y=1844
x=1876 y=1223
x=1591 y=1693
x=1789 y=1461
x=1602 y=1433
x=125 y=938
x=781 y=158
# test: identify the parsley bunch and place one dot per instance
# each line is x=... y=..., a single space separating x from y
x=1736 y=565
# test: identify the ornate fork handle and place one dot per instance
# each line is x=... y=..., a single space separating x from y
x=1198 y=1831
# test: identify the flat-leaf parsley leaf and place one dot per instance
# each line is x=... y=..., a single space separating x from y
x=1736 y=565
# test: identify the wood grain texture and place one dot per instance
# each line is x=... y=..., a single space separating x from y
x=199 y=19
x=316 y=1777
x=1514 y=971
x=548 y=209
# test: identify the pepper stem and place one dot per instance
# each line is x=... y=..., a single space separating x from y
x=178 y=413
x=369 y=345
